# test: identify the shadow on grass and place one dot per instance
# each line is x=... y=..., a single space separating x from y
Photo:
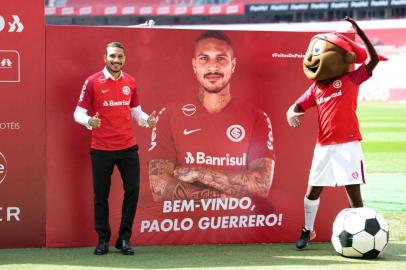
x=205 y=256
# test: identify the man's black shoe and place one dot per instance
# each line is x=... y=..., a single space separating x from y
x=102 y=248
x=305 y=237
x=125 y=247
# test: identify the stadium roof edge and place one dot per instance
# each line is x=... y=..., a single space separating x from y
x=341 y=26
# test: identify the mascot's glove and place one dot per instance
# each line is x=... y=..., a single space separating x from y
x=293 y=116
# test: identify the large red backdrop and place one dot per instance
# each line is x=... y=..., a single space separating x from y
x=22 y=123
x=45 y=181
x=269 y=74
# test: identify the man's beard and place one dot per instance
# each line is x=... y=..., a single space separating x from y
x=216 y=89
x=110 y=68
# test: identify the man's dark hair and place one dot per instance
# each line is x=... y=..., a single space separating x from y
x=220 y=35
x=115 y=44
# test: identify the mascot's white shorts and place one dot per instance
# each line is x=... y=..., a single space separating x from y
x=337 y=165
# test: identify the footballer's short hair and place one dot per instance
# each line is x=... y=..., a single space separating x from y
x=115 y=44
x=215 y=34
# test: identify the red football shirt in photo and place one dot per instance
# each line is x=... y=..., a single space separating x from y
x=188 y=134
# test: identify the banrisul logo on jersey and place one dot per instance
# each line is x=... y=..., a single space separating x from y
x=3 y=167
x=201 y=158
x=112 y=103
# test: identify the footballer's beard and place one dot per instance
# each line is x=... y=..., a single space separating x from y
x=114 y=68
x=214 y=89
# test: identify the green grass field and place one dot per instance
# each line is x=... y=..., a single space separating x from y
x=256 y=256
x=383 y=126
x=384 y=129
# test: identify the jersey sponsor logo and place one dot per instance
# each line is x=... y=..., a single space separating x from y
x=112 y=103
x=235 y=133
x=126 y=90
x=189 y=109
x=153 y=133
x=269 y=142
x=3 y=167
x=321 y=100
x=82 y=93
x=102 y=79
x=153 y=138
x=200 y=158
x=337 y=84
x=187 y=132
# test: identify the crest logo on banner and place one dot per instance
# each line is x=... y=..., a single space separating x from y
x=14 y=26
x=3 y=167
x=9 y=66
x=236 y=133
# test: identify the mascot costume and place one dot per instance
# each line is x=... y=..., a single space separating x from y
x=338 y=158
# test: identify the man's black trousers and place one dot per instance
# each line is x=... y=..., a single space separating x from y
x=103 y=163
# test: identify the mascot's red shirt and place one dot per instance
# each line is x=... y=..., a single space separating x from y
x=336 y=105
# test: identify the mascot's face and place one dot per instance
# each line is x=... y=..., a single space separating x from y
x=325 y=60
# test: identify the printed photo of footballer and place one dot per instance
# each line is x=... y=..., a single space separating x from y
x=213 y=145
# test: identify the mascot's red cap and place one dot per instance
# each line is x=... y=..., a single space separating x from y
x=348 y=45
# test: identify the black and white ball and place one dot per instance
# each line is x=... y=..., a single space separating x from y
x=360 y=232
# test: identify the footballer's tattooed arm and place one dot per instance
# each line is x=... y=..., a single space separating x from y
x=165 y=186
x=257 y=180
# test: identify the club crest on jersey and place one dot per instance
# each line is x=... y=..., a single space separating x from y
x=337 y=84
x=102 y=79
x=235 y=133
x=189 y=109
x=126 y=90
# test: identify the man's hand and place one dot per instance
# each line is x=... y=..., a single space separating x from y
x=293 y=117
x=95 y=121
x=152 y=120
x=186 y=174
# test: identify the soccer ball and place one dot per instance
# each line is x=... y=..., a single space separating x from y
x=360 y=232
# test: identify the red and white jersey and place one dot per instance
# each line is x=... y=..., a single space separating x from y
x=189 y=135
x=336 y=106
x=112 y=99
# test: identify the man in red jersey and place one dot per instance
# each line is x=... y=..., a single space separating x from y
x=212 y=145
x=111 y=95
x=338 y=157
